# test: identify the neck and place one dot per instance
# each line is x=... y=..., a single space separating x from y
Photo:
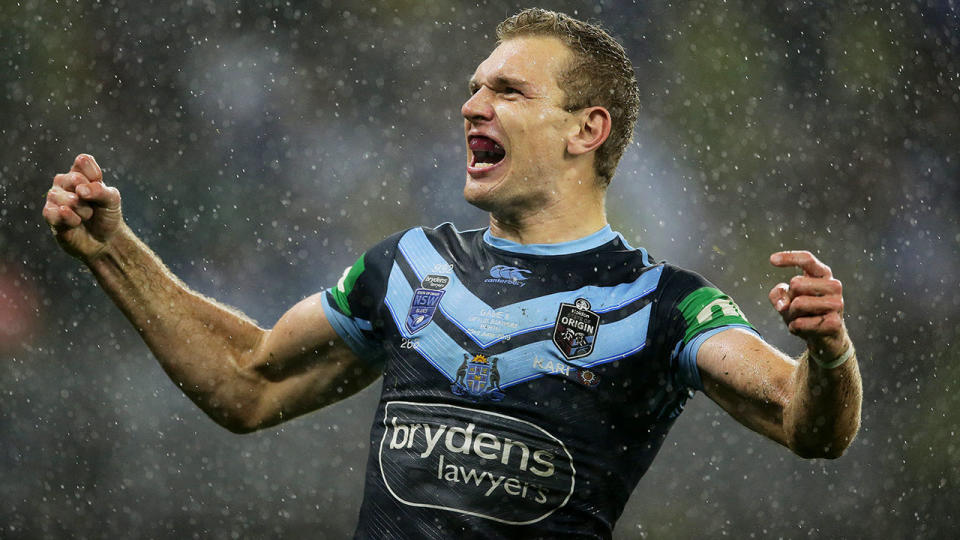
x=568 y=214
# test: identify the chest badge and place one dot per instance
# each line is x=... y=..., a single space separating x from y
x=426 y=300
x=478 y=378
x=575 y=331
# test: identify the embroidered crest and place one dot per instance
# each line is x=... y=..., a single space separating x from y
x=425 y=301
x=478 y=378
x=575 y=331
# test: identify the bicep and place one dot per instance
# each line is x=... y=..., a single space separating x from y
x=306 y=365
x=748 y=378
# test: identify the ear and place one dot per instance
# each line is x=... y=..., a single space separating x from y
x=593 y=128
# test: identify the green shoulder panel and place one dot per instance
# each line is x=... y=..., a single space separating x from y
x=708 y=308
x=345 y=286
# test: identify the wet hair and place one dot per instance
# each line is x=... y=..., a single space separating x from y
x=600 y=74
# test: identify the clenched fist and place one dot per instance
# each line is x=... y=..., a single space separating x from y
x=82 y=211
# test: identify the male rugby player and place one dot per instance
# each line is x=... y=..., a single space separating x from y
x=531 y=369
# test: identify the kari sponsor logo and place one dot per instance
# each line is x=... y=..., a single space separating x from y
x=473 y=462
x=548 y=365
x=557 y=367
x=509 y=275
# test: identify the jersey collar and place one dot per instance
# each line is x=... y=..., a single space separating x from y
x=594 y=240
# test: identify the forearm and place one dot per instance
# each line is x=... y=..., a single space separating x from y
x=823 y=415
x=203 y=346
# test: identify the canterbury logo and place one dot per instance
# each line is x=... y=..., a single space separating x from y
x=511 y=273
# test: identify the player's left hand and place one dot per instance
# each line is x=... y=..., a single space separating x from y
x=811 y=304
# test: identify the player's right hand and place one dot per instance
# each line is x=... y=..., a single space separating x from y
x=82 y=211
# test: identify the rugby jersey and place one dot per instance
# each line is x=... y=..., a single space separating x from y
x=527 y=388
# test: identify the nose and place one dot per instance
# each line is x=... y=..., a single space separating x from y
x=478 y=107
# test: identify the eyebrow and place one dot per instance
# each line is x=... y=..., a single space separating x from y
x=500 y=81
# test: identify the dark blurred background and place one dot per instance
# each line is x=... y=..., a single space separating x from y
x=261 y=146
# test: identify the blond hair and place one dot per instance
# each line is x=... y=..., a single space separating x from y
x=600 y=74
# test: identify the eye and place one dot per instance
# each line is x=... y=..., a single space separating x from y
x=511 y=90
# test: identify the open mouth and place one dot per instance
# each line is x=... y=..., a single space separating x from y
x=485 y=152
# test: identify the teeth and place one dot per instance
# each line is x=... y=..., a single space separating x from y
x=483 y=165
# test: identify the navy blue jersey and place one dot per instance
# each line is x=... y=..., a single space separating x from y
x=526 y=388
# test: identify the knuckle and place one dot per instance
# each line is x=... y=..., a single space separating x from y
x=57 y=197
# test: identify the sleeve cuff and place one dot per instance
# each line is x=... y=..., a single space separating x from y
x=351 y=331
x=686 y=356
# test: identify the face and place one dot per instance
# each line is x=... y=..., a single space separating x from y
x=515 y=125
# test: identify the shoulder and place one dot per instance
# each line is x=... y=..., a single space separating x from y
x=690 y=297
x=682 y=292
x=448 y=233
x=443 y=233
x=444 y=240
x=678 y=279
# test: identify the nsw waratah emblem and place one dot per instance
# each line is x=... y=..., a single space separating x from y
x=425 y=301
x=575 y=331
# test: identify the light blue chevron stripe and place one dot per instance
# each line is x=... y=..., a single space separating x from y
x=614 y=340
x=463 y=309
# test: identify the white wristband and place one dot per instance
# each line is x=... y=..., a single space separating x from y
x=838 y=362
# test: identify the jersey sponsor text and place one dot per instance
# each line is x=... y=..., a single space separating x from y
x=473 y=462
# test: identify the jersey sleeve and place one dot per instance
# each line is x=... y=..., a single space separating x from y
x=696 y=310
x=352 y=306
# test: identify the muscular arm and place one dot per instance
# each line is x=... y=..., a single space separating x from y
x=813 y=410
x=242 y=376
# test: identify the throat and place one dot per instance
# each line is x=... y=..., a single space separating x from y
x=545 y=226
